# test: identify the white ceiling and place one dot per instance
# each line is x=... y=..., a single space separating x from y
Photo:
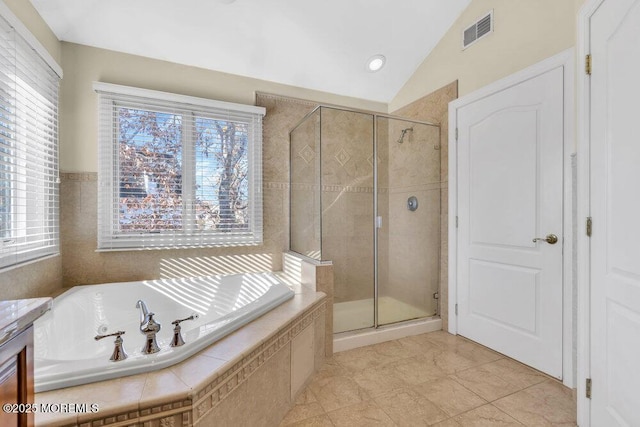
x=322 y=45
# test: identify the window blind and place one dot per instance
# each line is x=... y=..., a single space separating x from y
x=177 y=171
x=28 y=152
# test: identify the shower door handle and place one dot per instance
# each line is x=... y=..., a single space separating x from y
x=551 y=239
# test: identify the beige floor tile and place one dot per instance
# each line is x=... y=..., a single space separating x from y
x=377 y=381
x=450 y=396
x=447 y=423
x=418 y=370
x=364 y=414
x=366 y=357
x=302 y=412
x=486 y=416
x=484 y=383
x=407 y=407
x=477 y=353
x=544 y=404
x=515 y=373
x=306 y=396
x=432 y=364
x=306 y=406
x=472 y=351
x=330 y=368
x=449 y=361
x=394 y=349
x=319 y=421
x=419 y=380
x=415 y=345
x=442 y=338
x=337 y=392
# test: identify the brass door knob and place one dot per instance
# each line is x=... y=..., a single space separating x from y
x=551 y=239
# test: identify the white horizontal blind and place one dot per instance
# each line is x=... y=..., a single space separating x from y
x=177 y=174
x=28 y=152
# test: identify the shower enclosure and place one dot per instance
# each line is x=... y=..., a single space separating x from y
x=365 y=194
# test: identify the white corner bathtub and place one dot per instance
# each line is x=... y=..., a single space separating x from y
x=66 y=354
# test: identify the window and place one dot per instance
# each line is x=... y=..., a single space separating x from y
x=177 y=171
x=28 y=150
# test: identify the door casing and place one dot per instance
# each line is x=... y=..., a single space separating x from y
x=564 y=59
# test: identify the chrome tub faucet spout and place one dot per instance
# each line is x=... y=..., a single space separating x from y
x=149 y=327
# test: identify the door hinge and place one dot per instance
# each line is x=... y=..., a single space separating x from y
x=587 y=64
x=589 y=226
x=456 y=134
x=456 y=309
x=588 y=388
x=456 y=221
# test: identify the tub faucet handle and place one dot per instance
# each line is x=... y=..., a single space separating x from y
x=118 y=352
x=177 y=340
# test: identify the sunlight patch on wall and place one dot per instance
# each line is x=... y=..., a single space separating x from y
x=213 y=265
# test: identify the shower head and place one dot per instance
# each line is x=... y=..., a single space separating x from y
x=404 y=132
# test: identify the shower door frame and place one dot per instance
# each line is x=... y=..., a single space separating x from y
x=375 y=117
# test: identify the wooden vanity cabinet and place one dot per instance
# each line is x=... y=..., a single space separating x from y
x=16 y=379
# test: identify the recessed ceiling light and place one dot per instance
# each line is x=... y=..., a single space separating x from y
x=376 y=62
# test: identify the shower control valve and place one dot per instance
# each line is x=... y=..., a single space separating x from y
x=412 y=203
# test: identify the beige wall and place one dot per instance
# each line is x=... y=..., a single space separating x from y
x=83 y=65
x=525 y=32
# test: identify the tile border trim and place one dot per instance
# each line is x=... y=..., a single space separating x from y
x=208 y=398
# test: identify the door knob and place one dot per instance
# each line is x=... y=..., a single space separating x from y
x=551 y=239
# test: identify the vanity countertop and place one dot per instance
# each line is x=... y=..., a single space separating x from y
x=17 y=315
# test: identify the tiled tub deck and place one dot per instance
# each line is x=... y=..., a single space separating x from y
x=251 y=377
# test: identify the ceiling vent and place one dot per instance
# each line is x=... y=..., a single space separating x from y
x=477 y=30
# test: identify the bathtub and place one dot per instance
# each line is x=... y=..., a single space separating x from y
x=66 y=354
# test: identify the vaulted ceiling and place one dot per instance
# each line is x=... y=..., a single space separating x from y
x=322 y=45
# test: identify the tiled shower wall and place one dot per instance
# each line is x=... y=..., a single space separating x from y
x=81 y=264
x=410 y=263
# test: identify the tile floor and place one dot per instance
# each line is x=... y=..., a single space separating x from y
x=430 y=379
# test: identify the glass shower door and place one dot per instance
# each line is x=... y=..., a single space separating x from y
x=408 y=202
x=347 y=214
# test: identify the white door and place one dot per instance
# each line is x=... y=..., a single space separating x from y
x=510 y=191
x=615 y=209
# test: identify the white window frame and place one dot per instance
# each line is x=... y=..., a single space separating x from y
x=109 y=237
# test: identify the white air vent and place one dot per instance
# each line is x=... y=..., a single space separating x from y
x=477 y=30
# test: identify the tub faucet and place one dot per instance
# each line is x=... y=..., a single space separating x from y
x=148 y=327
x=118 y=352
